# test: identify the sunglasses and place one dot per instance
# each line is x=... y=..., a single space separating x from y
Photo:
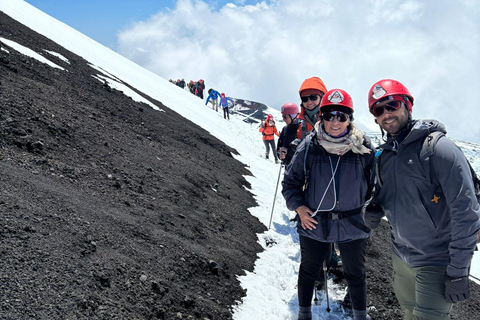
x=340 y=116
x=390 y=106
x=312 y=97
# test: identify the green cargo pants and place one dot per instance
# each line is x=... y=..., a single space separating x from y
x=420 y=290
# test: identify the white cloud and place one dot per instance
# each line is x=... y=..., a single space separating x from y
x=263 y=52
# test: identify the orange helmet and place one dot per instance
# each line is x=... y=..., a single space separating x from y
x=313 y=83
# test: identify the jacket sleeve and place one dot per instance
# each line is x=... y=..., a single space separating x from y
x=453 y=174
x=280 y=138
x=294 y=179
x=261 y=128
x=275 y=131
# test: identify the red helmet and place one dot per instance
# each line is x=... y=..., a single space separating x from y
x=269 y=117
x=385 y=88
x=289 y=108
x=222 y=94
x=337 y=98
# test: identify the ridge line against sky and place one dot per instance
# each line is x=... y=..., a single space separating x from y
x=263 y=50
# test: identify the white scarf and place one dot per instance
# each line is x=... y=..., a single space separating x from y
x=353 y=140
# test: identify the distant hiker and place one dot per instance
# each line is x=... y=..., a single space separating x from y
x=268 y=130
x=224 y=104
x=191 y=86
x=311 y=92
x=327 y=183
x=199 y=87
x=289 y=132
x=430 y=205
x=181 y=83
x=213 y=96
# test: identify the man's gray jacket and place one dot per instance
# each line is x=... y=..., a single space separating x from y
x=432 y=223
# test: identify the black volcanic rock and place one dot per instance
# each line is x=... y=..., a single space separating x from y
x=107 y=206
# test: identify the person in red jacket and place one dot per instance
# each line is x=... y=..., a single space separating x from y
x=268 y=130
x=311 y=92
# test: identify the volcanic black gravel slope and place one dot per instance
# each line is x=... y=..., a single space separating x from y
x=108 y=208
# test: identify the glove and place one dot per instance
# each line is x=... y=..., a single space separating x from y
x=372 y=214
x=456 y=289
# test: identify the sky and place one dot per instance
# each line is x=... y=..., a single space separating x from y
x=263 y=50
x=271 y=292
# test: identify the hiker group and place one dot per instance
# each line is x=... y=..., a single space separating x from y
x=341 y=187
x=219 y=99
x=195 y=87
x=215 y=98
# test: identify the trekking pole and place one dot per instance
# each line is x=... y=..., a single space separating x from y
x=474 y=278
x=273 y=205
x=326 y=284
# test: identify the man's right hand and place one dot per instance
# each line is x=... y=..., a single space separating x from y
x=306 y=219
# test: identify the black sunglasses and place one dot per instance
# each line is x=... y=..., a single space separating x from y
x=390 y=106
x=340 y=116
x=312 y=97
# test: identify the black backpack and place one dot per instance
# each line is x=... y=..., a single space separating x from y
x=428 y=150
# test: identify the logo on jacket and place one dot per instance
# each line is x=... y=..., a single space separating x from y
x=335 y=97
x=410 y=161
x=378 y=92
x=435 y=198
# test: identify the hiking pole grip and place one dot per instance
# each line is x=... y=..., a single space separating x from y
x=275 y=197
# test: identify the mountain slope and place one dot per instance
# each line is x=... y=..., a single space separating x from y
x=111 y=210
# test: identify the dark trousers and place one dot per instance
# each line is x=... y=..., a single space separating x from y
x=268 y=144
x=352 y=254
x=225 y=113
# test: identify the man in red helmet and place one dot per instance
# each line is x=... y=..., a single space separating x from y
x=434 y=221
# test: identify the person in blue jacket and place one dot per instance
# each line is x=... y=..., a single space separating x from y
x=328 y=193
x=224 y=104
x=213 y=96
x=434 y=221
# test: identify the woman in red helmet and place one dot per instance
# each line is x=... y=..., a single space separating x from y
x=289 y=132
x=268 y=130
x=327 y=183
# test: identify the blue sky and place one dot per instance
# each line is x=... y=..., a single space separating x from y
x=101 y=20
x=263 y=50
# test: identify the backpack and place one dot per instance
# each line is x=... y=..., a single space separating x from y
x=428 y=149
